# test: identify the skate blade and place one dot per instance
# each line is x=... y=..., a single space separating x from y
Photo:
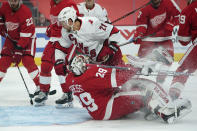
x=62 y=106
x=39 y=104
x=182 y=114
x=151 y=117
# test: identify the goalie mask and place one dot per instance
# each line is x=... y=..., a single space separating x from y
x=67 y=14
x=78 y=64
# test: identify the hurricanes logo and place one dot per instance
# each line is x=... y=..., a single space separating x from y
x=158 y=20
x=11 y=26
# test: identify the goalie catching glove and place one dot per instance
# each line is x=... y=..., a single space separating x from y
x=147 y=66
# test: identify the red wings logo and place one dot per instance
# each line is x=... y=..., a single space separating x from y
x=158 y=20
x=76 y=88
x=11 y=26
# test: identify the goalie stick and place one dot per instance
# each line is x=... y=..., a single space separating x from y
x=160 y=73
x=130 y=13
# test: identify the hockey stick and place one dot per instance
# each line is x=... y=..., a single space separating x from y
x=132 y=40
x=159 y=73
x=30 y=95
x=130 y=13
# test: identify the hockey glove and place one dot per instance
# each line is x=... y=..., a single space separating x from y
x=137 y=37
x=3 y=30
x=107 y=52
x=60 y=67
x=22 y=43
x=17 y=57
x=169 y=26
x=139 y=33
x=48 y=31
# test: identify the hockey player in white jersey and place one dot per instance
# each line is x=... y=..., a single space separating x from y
x=91 y=8
x=92 y=37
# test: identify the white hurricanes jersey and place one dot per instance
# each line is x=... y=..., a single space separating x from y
x=64 y=42
x=97 y=11
x=90 y=38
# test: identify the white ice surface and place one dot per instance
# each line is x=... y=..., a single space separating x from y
x=13 y=93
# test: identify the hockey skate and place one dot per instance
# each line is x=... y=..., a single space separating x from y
x=65 y=101
x=170 y=114
x=149 y=116
x=41 y=98
x=37 y=91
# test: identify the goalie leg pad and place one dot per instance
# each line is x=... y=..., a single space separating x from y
x=181 y=108
x=170 y=111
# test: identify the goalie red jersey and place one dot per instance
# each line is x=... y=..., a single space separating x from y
x=97 y=90
x=55 y=28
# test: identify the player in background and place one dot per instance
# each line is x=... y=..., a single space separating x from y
x=109 y=93
x=187 y=33
x=92 y=9
x=157 y=21
x=48 y=58
x=20 y=43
